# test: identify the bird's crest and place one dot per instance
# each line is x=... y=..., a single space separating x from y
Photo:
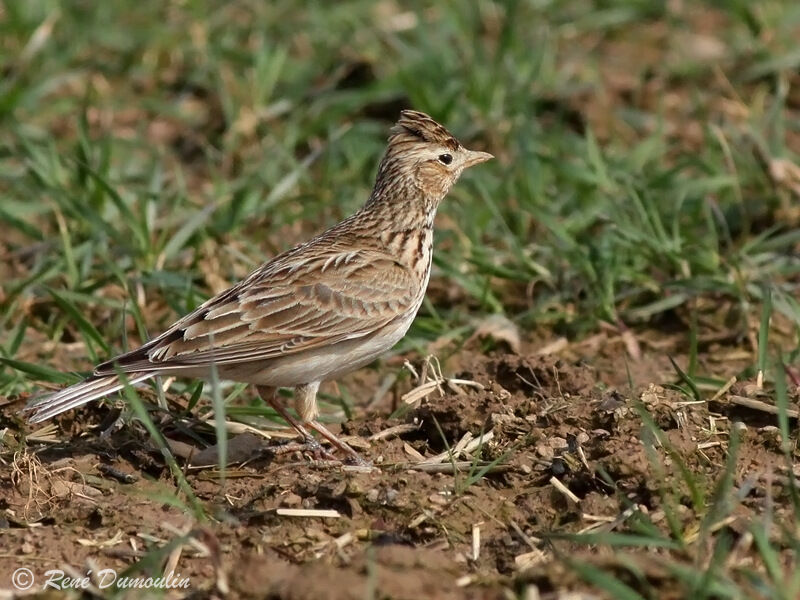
x=415 y=125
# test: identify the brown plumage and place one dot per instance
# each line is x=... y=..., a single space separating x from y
x=319 y=310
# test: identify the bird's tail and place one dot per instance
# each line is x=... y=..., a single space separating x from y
x=47 y=406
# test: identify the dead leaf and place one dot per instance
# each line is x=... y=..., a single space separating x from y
x=501 y=329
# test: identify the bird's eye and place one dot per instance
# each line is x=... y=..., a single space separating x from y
x=445 y=159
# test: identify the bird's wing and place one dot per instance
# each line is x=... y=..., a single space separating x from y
x=293 y=304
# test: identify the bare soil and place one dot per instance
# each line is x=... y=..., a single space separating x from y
x=568 y=453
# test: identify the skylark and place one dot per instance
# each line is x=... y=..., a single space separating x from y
x=320 y=310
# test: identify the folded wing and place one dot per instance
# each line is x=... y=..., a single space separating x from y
x=290 y=306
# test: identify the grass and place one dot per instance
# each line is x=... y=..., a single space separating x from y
x=152 y=153
x=703 y=562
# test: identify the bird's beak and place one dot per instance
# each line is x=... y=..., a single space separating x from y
x=475 y=157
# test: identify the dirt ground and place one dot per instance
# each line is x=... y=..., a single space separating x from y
x=563 y=452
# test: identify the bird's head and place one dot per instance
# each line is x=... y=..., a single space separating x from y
x=424 y=156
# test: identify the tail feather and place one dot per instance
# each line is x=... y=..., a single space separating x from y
x=49 y=405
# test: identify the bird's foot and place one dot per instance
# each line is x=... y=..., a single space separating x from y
x=352 y=457
x=320 y=456
x=310 y=445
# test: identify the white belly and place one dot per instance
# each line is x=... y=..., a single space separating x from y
x=325 y=363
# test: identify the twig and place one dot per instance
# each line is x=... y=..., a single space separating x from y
x=455 y=467
x=723 y=389
x=564 y=490
x=464 y=446
x=762 y=406
x=397 y=430
x=524 y=536
x=413 y=452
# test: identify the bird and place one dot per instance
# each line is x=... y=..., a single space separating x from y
x=315 y=312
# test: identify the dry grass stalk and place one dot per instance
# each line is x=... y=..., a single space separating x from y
x=531 y=541
x=27 y=469
x=754 y=404
x=118 y=538
x=464 y=446
x=397 y=430
x=564 y=490
x=530 y=559
x=308 y=512
x=425 y=387
x=234 y=427
x=338 y=543
x=413 y=452
x=44 y=435
x=723 y=389
x=476 y=541
x=465 y=580
x=457 y=467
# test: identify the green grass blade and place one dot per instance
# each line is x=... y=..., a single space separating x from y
x=604 y=580
x=87 y=330
x=40 y=372
x=144 y=417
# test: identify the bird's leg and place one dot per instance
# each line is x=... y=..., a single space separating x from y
x=305 y=399
x=354 y=456
x=270 y=396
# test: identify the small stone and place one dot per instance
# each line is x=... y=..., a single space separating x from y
x=291 y=500
x=751 y=390
x=354 y=487
x=437 y=499
x=545 y=451
x=332 y=489
x=355 y=507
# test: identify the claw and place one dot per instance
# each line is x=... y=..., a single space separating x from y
x=310 y=443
